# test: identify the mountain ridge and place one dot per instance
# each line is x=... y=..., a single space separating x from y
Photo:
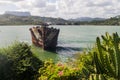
x=87 y=19
x=8 y=19
x=11 y=19
x=17 y=13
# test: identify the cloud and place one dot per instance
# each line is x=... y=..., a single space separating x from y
x=91 y=8
x=12 y=0
x=38 y=3
x=38 y=7
x=51 y=8
x=32 y=3
x=99 y=3
x=52 y=1
x=66 y=8
x=7 y=6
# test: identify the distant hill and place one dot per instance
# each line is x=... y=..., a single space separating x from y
x=25 y=18
x=110 y=21
x=8 y=19
x=87 y=19
x=17 y=13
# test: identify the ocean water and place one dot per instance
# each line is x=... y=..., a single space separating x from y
x=72 y=39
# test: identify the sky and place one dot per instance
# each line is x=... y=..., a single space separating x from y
x=64 y=8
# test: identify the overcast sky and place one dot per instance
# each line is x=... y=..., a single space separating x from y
x=64 y=8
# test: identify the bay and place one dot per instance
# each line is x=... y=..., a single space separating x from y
x=72 y=39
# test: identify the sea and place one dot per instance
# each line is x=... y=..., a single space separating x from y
x=72 y=39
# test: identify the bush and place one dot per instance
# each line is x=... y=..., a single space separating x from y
x=59 y=71
x=18 y=63
x=85 y=59
x=102 y=62
x=106 y=56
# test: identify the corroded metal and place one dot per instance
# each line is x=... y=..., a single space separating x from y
x=45 y=37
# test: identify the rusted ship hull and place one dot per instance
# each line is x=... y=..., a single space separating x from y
x=45 y=37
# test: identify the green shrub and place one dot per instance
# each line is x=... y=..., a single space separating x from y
x=106 y=56
x=58 y=71
x=18 y=63
x=102 y=62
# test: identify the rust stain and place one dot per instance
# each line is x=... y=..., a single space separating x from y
x=45 y=37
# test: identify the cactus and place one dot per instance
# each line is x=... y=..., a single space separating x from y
x=106 y=56
x=97 y=77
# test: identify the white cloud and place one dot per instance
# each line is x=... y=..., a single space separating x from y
x=51 y=8
x=67 y=8
x=92 y=8
x=7 y=6
x=38 y=3
x=11 y=0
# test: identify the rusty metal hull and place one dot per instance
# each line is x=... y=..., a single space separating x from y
x=45 y=37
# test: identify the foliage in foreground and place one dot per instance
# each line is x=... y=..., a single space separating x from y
x=58 y=71
x=102 y=62
x=18 y=63
x=106 y=56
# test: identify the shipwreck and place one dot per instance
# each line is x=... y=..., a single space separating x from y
x=45 y=37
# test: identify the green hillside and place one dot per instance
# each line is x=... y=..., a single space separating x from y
x=7 y=19
x=110 y=21
x=27 y=20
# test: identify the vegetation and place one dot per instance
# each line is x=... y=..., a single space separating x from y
x=18 y=63
x=106 y=56
x=59 y=71
x=8 y=19
x=28 y=20
x=110 y=21
x=100 y=63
